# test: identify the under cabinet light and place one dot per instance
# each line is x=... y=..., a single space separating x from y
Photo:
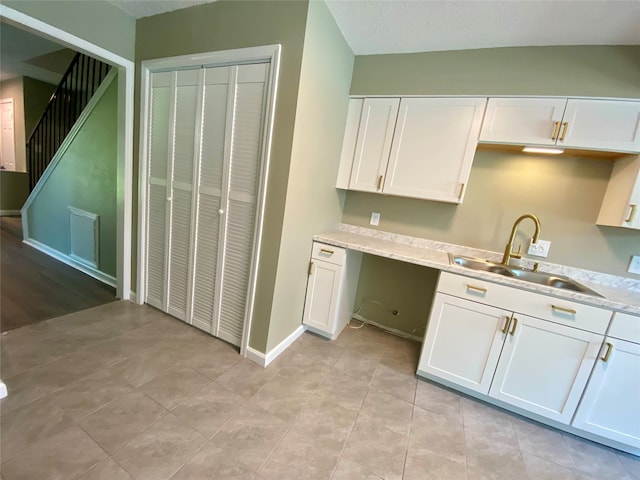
x=545 y=150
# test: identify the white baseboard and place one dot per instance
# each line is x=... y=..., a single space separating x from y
x=12 y=213
x=264 y=360
x=52 y=252
x=393 y=331
x=256 y=357
x=132 y=297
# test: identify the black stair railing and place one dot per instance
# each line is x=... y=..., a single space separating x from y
x=79 y=83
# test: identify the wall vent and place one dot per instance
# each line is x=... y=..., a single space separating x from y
x=85 y=236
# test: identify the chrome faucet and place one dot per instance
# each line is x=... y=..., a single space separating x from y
x=508 y=250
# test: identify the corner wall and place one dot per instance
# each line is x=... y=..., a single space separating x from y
x=312 y=204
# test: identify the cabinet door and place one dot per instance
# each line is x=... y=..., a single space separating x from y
x=433 y=147
x=544 y=367
x=621 y=204
x=522 y=121
x=323 y=288
x=349 y=142
x=374 y=143
x=601 y=124
x=611 y=403
x=463 y=342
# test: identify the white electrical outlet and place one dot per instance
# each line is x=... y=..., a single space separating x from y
x=539 y=249
x=634 y=265
x=375 y=219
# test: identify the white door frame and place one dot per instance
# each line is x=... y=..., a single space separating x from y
x=270 y=53
x=124 y=189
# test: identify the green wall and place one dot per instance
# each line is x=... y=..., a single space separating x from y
x=85 y=178
x=227 y=25
x=14 y=190
x=598 y=71
x=95 y=21
x=312 y=204
x=565 y=192
x=36 y=99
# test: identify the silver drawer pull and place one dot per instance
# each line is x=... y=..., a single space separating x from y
x=477 y=289
x=328 y=252
x=570 y=311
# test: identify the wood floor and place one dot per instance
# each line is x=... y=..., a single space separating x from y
x=35 y=287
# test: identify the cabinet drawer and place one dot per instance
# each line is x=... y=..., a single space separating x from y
x=328 y=253
x=473 y=289
x=625 y=327
x=564 y=312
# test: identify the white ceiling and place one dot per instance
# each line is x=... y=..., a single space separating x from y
x=373 y=27
x=401 y=26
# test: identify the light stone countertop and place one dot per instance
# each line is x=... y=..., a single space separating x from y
x=619 y=293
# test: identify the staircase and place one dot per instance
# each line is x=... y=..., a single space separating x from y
x=79 y=83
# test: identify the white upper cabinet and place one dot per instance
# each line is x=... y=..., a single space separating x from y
x=621 y=203
x=375 y=133
x=592 y=124
x=522 y=121
x=612 y=125
x=433 y=147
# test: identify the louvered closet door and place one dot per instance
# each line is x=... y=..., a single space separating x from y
x=205 y=142
x=181 y=193
x=210 y=181
x=160 y=137
x=241 y=201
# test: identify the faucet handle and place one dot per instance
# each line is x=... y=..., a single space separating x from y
x=517 y=254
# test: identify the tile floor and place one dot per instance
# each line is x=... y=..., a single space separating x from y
x=124 y=392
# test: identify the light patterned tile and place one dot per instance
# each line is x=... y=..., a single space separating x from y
x=108 y=469
x=594 y=459
x=174 y=387
x=122 y=420
x=209 y=409
x=63 y=456
x=161 y=450
x=388 y=411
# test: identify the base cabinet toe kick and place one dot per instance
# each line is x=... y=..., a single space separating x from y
x=572 y=366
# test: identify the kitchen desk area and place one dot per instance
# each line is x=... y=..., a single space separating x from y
x=566 y=358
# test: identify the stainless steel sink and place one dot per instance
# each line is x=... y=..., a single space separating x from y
x=540 y=278
x=478 y=264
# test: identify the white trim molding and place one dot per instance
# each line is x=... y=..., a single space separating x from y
x=262 y=54
x=10 y=213
x=265 y=359
x=126 y=71
x=66 y=259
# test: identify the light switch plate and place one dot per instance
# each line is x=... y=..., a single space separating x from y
x=634 y=265
x=375 y=219
x=540 y=249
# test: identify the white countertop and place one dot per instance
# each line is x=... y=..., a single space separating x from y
x=619 y=293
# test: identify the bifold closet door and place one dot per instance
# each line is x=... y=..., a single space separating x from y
x=205 y=139
x=240 y=204
x=174 y=102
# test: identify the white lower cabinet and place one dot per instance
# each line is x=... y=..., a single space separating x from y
x=331 y=289
x=489 y=342
x=463 y=342
x=610 y=407
x=544 y=367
